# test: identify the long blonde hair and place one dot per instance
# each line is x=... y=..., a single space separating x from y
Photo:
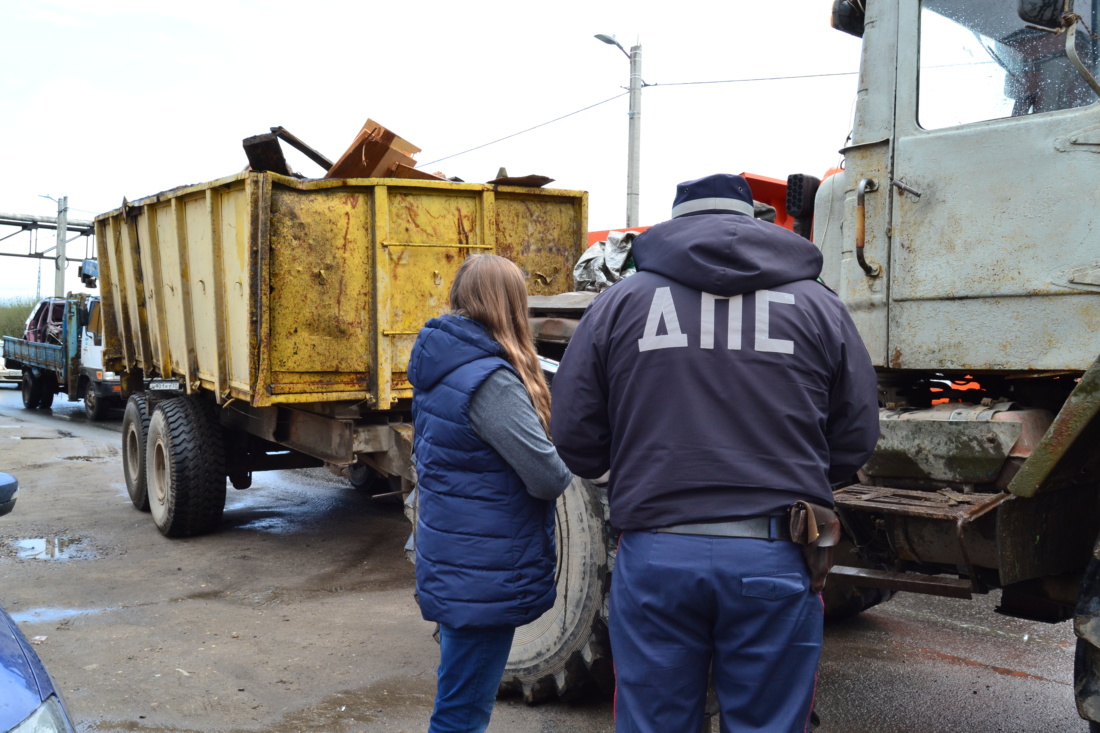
x=491 y=290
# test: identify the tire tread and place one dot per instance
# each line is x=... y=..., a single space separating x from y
x=137 y=413
x=196 y=463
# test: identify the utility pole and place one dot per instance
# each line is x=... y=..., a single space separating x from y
x=634 y=161
x=634 y=137
x=59 y=255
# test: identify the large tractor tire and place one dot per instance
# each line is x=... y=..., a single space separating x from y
x=565 y=652
x=1086 y=663
x=185 y=467
x=135 y=429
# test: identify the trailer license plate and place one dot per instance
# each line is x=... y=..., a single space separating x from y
x=168 y=385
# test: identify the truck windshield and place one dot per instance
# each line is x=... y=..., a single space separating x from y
x=979 y=61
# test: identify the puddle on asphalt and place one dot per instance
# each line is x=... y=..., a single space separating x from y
x=52 y=615
x=270 y=525
x=60 y=434
x=51 y=548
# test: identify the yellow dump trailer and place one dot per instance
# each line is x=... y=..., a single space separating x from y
x=259 y=312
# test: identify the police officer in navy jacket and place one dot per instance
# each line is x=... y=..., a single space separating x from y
x=718 y=385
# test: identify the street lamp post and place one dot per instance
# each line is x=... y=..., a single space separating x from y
x=634 y=141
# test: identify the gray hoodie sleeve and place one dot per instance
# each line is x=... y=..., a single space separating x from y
x=502 y=415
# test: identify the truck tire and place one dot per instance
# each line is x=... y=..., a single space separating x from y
x=95 y=407
x=565 y=653
x=185 y=467
x=49 y=389
x=135 y=428
x=31 y=387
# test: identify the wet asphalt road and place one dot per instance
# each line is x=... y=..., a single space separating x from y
x=299 y=615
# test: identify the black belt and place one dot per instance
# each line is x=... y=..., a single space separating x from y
x=761 y=528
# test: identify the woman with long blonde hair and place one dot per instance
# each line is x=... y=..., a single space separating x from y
x=487 y=477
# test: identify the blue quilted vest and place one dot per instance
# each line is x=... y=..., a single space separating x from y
x=484 y=546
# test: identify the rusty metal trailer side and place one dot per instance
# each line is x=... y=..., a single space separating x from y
x=273 y=290
x=284 y=312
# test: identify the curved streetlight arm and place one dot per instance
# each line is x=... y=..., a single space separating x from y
x=611 y=41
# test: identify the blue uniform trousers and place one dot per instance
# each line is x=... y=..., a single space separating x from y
x=682 y=603
x=471 y=663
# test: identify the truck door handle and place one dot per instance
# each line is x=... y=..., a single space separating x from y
x=865 y=185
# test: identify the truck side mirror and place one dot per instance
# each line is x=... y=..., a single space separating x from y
x=1043 y=13
x=801 y=192
x=848 y=16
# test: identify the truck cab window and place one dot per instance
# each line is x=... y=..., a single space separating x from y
x=94 y=322
x=980 y=61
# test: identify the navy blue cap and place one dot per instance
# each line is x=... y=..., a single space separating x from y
x=722 y=193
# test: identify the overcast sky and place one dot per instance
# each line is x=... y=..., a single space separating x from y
x=106 y=99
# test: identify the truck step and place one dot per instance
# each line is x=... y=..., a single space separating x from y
x=912 y=582
x=943 y=504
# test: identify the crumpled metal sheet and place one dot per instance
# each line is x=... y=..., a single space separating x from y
x=762 y=211
x=605 y=263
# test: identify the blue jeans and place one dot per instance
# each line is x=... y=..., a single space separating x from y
x=681 y=603
x=471 y=663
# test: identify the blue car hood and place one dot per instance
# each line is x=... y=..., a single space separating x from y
x=24 y=683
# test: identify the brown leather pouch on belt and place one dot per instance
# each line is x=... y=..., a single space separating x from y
x=817 y=529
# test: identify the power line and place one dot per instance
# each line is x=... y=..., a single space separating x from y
x=759 y=78
x=656 y=84
x=514 y=134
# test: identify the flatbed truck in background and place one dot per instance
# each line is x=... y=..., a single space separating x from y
x=61 y=352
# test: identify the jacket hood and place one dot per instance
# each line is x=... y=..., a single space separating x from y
x=726 y=254
x=446 y=343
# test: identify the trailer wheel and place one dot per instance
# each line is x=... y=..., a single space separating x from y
x=565 y=652
x=32 y=390
x=372 y=483
x=94 y=407
x=185 y=466
x=135 y=429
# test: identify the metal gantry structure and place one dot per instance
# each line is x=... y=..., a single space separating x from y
x=64 y=226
